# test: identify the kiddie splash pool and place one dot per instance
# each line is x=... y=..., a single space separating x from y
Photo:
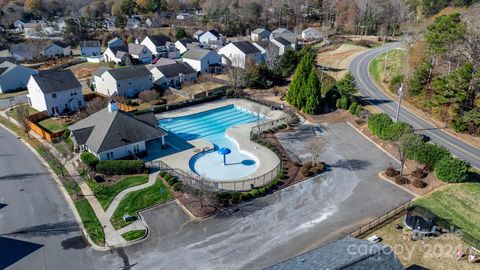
x=211 y=126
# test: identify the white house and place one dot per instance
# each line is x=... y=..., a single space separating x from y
x=185 y=44
x=56 y=49
x=114 y=42
x=23 y=52
x=19 y=24
x=268 y=49
x=55 y=91
x=112 y=134
x=14 y=77
x=311 y=34
x=173 y=75
x=239 y=53
x=127 y=81
x=212 y=38
x=203 y=61
x=285 y=33
x=182 y=16
x=140 y=52
x=157 y=44
x=198 y=33
x=260 y=34
x=282 y=45
x=117 y=54
x=90 y=48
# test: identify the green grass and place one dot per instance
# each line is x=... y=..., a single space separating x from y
x=395 y=66
x=52 y=161
x=106 y=192
x=133 y=235
x=54 y=124
x=13 y=112
x=458 y=204
x=374 y=69
x=138 y=200
x=13 y=94
x=90 y=221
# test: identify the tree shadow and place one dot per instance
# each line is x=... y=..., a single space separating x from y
x=13 y=250
x=45 y=230
x=351 y=164
x=20 y=176
x=2 y=205
x=375 y=101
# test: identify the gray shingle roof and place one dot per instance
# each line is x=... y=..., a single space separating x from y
x=186 y=41
x=121 y=48
x=126 y=72
x=173 y=70
x=196 y=54
x=159 y=40
x=61 y=44
x=106 y=130
x=246 y=47
x=259 y=30
x=56 y=80
x=283 y=41
x=346 y=253
x=136 y=48
x=282 y=31
x=89 y=43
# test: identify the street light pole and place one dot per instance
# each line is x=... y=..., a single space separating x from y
x=400 y=95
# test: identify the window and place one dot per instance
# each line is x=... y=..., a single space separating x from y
x=54 y=95
x=79 y=103
x=110 y=155
x=136 y=148
x=71 y=94
x=74 y=93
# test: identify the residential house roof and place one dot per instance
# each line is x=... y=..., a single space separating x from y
x=264 y=43
x=125 y=73
x=186 y=41
x=164 y=61
x=283 y=41
x=214 y=32
x=5 y=66
x=119 y=51
x=89 y=43
x=259 y=30
x=246 y=47
x=159 y=40
x=346 y=253
x=310 y=29
x=24 y=50
x=199 y=32
x=196 y=54
x=173 y=70
x=115 y=39
x=136 y=49
x=281 y=31
x=61 y=44
x=51 y=81
x=105 y=130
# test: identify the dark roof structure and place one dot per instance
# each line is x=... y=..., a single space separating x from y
x=173 y=70
x=186 y=41
x=61 y=44
x=246 y=47
x=124 y=73
x=105 y=130
x=159 y=40
x=283 y=41
x=136 y=49
x=89 y=43
x=51 y=81
x=214 y=32
x=346 y=253
x=196 y=54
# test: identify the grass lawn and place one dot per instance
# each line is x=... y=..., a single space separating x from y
x=458 y=204
x=13 y=94
x=138 y=200
x=90 y=221
x=133 y=235
x=85 y=69
x=54 y=124
x=428 y=253
x=13 y=112
x=395 y=66
x=106 y=192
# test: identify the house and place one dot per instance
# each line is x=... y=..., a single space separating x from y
x=185 y=44
x=239 y=53
x=117 y=54
x=282 y=45
x=33 y=26
x=173 y=75
x=198 y=33
x=212 y=38
x=346 y=253
x=90 y=48
x=182 y=16
x=113 y=134
x=260 y=34
x=55 y=91
x=18 y=24
x=134 y=22
x=203 y=61
x=14 y=77
x=159 y=45
x=127 y=81
x=149 y=22
x=268 y=49
x=4 y=52
x=114 y=42
x=285 y=33
x=164 y=61
x=24 y=52
x=57 y=48
x=140 y=52
x=311 y=34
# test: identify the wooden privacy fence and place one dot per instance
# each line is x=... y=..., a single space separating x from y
x=121 y=106
x=44 y=133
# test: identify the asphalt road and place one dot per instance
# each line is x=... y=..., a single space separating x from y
x=37 y=228
x=359 y=69
x=4 y=103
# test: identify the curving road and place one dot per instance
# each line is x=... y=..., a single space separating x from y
x=359 y=69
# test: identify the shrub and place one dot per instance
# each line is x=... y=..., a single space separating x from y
x=114 y=167
x=178 y=186
x=281 y=174
x=400 y=180
x=379 y=122
x=262 y=190
x=162 y=173
x=428 y=153
x=89 y=159
x=342 y=103
x=254 y=193
x=419 y=173
x=160 y=101
x=244 y=196
x=451 y=170
x=172 y=180
x=358 y=110
x=318 y=168
x=306 y=169
x=391 y=172
x=353 y=107
x=236 y=197
x=395 y=83
x=418 y=183
x=395 y=131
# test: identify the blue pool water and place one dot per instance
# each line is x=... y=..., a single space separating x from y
x=211 y=126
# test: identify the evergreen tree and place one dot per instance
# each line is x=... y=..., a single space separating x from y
x=347 y=86
x=296 y=94
x=313 y=93
x=419 y=78
x=445 y=32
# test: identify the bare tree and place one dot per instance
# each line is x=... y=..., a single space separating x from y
x=200 y=193
x=261 y=112
x=23 y=113
x=148 y=95
x=315 y=146
x=189 y=89
x=406 y=143
x=235 y=74
x=96 y=105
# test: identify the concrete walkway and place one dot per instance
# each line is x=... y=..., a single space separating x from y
x=113 y=238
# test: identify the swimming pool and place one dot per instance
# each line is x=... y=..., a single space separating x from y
x=211 y=126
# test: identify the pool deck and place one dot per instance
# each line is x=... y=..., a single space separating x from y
x=240 y=134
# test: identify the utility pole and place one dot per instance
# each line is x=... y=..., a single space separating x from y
x=385 y=66
x=400 y=95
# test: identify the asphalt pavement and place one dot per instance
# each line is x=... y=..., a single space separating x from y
x=368 y=89
x=5 y=103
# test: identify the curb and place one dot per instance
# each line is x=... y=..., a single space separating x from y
x=380 y=174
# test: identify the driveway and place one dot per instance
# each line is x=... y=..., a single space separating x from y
x=276 y=227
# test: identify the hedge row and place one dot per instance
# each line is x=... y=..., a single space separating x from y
x=382 y=126
x=114 y=167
